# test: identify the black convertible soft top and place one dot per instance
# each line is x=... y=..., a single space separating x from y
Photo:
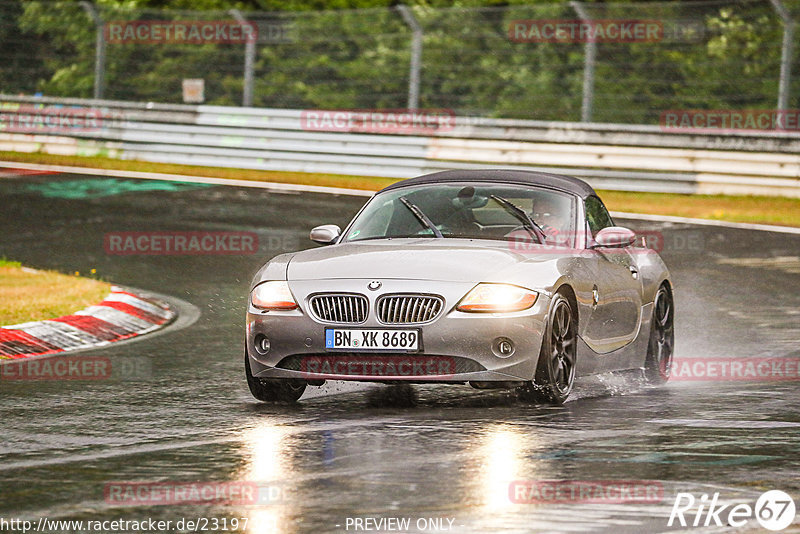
x=555 y=181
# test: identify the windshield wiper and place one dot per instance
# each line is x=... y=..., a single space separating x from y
x=520 y=215
x=421 y=216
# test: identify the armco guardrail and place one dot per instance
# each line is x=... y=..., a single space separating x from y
x=621 y=157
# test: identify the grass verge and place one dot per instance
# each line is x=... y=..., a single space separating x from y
x=749 y=209
x=33 y=295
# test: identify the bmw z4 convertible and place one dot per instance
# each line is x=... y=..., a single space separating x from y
x=492 y=278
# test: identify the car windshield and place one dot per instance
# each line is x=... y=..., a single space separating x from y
x=467 y=210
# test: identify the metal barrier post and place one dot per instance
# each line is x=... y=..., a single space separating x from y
x=589 y=56
x=416 y=55
x=249 y=62
x=786 y=54
x=99 y=52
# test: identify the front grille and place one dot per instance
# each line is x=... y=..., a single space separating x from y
x=343 y=308
x=408 y=309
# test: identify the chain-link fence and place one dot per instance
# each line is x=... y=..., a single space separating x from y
x=619 y=62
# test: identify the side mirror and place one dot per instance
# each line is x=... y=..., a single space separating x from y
x=615 y=236
x=325 y=234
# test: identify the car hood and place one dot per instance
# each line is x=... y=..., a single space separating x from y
x=458 y=260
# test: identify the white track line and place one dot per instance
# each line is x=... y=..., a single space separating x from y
x=298 y=188
x=706 y=222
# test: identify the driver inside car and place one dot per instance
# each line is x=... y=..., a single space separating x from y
x=550 y=218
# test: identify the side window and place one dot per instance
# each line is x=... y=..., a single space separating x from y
x=597 y=215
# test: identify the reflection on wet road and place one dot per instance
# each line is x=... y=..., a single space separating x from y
x=443 y=454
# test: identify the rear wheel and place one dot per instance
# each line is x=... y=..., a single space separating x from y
x=658 y=364
x=273 y=389
x=555 y=372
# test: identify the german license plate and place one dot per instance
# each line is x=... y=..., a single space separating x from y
x=377 y=339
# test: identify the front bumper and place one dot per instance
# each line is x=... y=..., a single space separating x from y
x=457 y=347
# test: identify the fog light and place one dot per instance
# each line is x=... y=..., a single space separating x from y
x=503 y=347
x=261 y=343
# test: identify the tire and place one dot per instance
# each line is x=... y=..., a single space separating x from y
x=273 y=389
x=661 y=346
x=555 y=372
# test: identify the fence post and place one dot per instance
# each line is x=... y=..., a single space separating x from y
x=99 y=51
x=416 y=55
x=590 y=53
x=249 y=62
x=786 y=54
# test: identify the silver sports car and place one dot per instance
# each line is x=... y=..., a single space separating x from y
x=497 y=279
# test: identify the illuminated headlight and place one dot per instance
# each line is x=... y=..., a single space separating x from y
x=273 y=296
x=497 y=298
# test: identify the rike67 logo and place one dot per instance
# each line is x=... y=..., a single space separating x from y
x=774 y=510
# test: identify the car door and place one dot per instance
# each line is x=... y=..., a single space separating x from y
x=617 y=292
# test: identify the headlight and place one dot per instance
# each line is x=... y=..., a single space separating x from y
x=497 y=298
x=273 y=296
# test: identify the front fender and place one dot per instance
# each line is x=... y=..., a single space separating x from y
x=274 y=269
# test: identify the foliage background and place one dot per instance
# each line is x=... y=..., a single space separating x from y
x=355 y=54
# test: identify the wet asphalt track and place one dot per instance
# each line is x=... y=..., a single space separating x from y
x=360 y=452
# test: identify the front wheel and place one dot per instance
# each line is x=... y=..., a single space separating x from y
x=273 y=389
x=658 y=364
x=555 y=372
